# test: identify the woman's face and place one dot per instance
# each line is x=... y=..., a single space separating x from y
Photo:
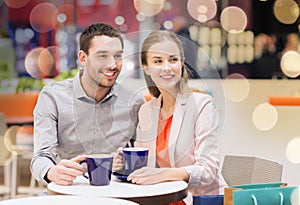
x=164 y=65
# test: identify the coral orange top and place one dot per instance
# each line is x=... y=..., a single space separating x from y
x=162 y=151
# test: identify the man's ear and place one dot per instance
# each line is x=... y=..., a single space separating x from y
x=82 y=57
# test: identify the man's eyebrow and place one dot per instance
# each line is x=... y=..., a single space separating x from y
x=101 y=51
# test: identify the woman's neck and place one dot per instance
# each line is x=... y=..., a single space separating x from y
x=168 y=103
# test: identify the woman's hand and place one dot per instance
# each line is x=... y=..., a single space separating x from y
x=118 y=163
x=149 y=175
x=66 y=171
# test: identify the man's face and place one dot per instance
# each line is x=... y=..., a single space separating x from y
x=104 y=60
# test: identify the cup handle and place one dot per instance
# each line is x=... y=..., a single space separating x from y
x=84 y=161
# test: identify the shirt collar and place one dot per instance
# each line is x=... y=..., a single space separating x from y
x=80 y=93
x=78 y=90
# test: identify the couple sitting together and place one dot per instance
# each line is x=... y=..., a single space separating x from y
x=94 y=113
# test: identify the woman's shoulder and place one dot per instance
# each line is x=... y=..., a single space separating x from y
x=200 y=95
x=199 y=99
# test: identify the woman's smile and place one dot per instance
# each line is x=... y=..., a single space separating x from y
x=167 y=77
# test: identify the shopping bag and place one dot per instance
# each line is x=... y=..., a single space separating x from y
x=268 y=196
x=228 y=191
x=208 y=200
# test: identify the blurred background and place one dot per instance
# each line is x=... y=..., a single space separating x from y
x=222 y=36
x=245 y=53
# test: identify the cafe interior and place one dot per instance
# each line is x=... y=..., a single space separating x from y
x=246 y=54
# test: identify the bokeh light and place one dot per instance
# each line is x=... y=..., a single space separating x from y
x=148 y=7
x=194 y=32
x=215 y=36
x=17 y=136
x=43 y=17
x=265 y=116
x=140 y=17
x=233 y=19
x=290 y=64
x=202 y=10
x=232 y=54
x=28 y=33
x=249 y=38
x=286 y=11
x=236 y=87
x=168 y=24
x=156 y=26
x=204 y=34
x=56 y=52
x=123 y=28
x=119 y=20
x=16 y=3
x=216 y=25
x=249 y=53
x=65 y=11
x=167 y=6
x=293 y=151
x=61 y=18
x=39 y=62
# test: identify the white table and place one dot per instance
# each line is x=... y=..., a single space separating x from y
x=161 y=193
x=65 y=199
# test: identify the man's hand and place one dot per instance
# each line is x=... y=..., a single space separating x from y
x=66 y=171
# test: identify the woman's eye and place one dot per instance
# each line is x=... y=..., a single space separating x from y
x=119 y=56
x=174 y=60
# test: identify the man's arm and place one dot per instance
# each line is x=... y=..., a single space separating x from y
x=45 y=135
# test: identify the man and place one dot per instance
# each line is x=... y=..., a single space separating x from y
x=90 y=113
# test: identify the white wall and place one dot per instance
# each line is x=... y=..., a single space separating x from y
x=239 y=134
x=241 y=137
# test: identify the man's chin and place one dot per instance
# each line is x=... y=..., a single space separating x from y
x=106 y=84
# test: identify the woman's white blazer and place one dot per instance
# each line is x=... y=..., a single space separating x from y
x=193 y=141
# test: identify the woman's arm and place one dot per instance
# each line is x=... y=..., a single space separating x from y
x=149 y=175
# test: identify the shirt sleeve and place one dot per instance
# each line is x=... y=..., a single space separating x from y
x=45 y=135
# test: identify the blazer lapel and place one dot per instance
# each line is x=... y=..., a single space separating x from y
x=178 y=116
x=154 y=115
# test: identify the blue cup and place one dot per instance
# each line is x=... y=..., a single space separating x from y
x=99 y=168
x=134 y=158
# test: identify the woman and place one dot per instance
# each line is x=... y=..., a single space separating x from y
x=179 y=126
